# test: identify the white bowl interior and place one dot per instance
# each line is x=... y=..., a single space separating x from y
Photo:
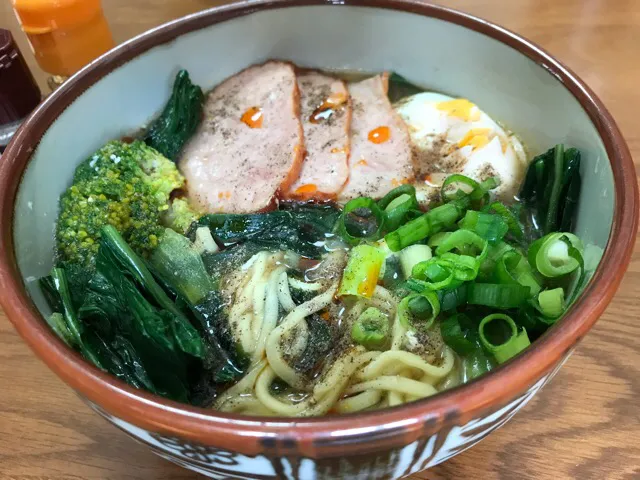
x=430 y=52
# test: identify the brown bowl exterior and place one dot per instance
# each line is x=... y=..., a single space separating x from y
x=387 y=443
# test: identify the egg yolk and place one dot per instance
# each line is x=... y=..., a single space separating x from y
x=460 y=108
x=476 y=138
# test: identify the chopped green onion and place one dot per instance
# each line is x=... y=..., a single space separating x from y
x=492 y=228
x=418 y=311
x=499 y=335
x=436 y=274
x=507 y=215
x=396 y=193
x=488 y=265
x=398 y=205
x=437 y=238
x=475 y=191
x=576 y=254
x=551 y=302
x=412 y=255
x=550 y=254
x=433 y=221
x=513 y=268
x=371 y=329
x=466 y=242
x=453 y=297
x=458 y=333
x=452 y=181
x=361 y=219
x=497 y=295
x=361 y=273
x=465 y=268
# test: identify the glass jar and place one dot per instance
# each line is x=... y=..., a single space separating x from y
x=65 y=34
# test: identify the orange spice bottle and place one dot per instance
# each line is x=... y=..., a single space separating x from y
x=65 y=34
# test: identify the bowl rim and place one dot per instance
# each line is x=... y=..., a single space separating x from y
x=327 y=436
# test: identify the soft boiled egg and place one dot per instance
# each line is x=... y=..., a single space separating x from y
x=452 y=135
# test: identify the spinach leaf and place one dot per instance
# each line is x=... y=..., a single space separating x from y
x=116 y=256
x=551 y=191
x=295 y=227
x=400 y=87
x=179 y=119
x=319 y=343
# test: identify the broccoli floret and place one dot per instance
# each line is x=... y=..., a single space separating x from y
x=180 y=215
x=124 y=185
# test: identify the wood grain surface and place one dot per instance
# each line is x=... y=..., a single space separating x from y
x=585 y=424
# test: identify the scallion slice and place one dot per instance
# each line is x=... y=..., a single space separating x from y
x=371 y=329
x=490 y=227
x=399 y=205
x=473 y=190
x=550 y=256
x=361 y=273
x=497 y=295
x=451 y=298
x=361 y=219
x=507 y=215
x=551 y=302
x=418 y=311
x=466 y=242
x=500 y=337
x=433 y=221
x=513 y=268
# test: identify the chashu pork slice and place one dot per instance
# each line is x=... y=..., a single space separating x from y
x=325 y=111
x=249 y=146
x=381 y=156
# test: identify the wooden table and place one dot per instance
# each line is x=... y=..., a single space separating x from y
x=584 y=425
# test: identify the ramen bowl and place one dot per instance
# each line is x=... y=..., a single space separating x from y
x=512 y=79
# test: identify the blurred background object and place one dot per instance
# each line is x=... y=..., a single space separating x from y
x=65 y=35
x=19 y=93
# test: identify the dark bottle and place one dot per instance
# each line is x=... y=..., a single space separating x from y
x=19 y=93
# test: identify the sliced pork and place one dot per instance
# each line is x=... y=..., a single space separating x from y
x=249 y=145
x=325 y=112
x=381 y=157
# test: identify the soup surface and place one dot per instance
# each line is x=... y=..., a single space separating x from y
x=297 y=242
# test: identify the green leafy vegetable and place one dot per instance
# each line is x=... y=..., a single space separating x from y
x=400 y=87
x=552 y=186
x=301 y=228
x=179 y=119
